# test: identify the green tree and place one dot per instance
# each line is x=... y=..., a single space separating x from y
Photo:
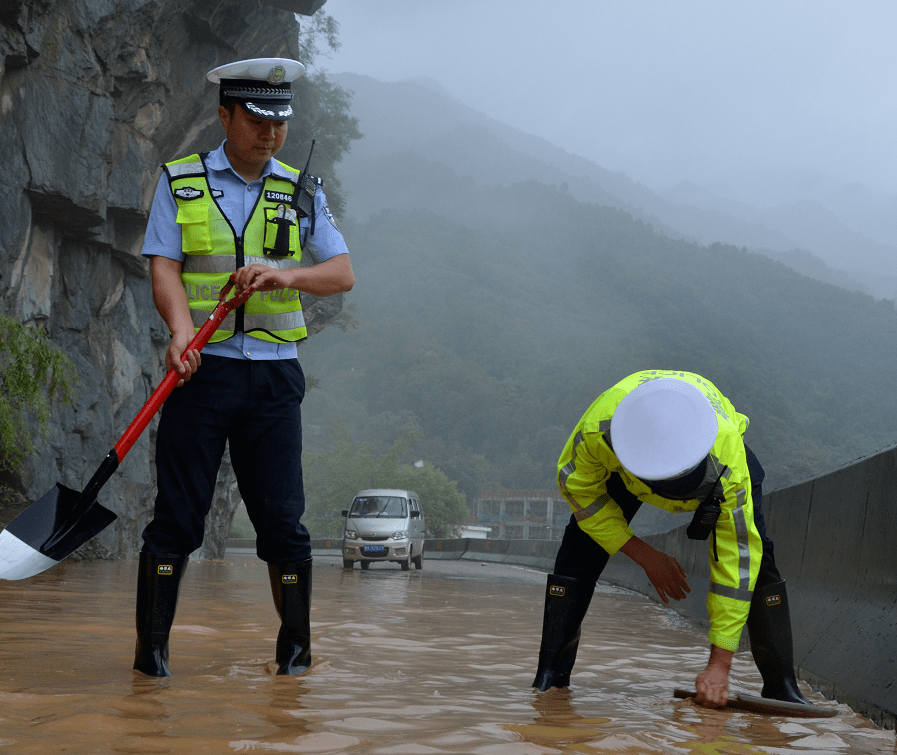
x=32 y=373
x=333 y=477
x=445 y=507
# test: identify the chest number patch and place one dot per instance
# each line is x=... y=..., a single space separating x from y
x=278 y=196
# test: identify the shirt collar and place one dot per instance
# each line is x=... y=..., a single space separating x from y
x=217 y=160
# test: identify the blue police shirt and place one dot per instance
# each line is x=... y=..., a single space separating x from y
x=237 y=200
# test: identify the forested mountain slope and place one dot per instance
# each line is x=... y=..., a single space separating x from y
x=491 y=326
x=418 y=118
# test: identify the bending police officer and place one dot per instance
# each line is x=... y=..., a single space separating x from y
x=670 y=439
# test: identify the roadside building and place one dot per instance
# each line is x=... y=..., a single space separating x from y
x=521 y=514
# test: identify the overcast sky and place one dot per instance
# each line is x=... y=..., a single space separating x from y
x=663 y=90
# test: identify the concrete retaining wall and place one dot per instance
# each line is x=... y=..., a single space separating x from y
x=836 y=545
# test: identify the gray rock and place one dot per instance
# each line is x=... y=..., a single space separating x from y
x=94 y=96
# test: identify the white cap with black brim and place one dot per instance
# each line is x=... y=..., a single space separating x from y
x=663 y=429
x=260 y=85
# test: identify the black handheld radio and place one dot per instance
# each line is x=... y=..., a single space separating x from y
x=301 y=206
x=706 y=515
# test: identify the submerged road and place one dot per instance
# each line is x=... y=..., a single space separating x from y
x=405 y=663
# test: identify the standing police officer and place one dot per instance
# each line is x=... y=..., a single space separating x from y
x=673 y=440
x=236 y=210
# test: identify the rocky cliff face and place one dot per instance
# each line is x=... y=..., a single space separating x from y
x=94 y=96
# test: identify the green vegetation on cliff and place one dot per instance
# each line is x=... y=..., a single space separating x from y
x=32 y=374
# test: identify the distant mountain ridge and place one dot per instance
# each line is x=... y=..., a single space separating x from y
x=420 y=117
x=494 y=303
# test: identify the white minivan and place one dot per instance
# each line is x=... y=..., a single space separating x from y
x=384 y=525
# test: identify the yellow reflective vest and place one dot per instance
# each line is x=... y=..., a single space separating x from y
x=215 y=249
x=588 y=461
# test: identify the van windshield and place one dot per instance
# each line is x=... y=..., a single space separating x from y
x=379 y=506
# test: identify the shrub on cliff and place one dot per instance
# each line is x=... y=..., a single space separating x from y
x=32 y=374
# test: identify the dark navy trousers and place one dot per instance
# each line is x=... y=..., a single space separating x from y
x=255 y=407
x=582 y=558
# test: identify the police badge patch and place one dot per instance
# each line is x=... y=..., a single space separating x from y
x=329 y=215
x=188 y=192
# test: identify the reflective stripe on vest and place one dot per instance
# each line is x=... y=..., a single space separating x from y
x=213 y=253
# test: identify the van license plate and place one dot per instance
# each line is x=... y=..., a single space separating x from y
x=374 y=548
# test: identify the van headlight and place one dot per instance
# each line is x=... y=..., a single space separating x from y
x=399 y=535
x=350 y=534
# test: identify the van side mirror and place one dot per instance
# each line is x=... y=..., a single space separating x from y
x=344 y=512
x=415 y=515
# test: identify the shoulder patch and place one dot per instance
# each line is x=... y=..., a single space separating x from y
x=188 y=192
x=329 y=215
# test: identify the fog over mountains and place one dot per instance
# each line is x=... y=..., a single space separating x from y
x=503 y=283
x=846 y=235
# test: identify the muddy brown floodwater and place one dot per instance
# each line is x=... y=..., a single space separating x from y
x=405 y=663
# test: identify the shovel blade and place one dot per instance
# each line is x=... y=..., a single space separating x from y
x=48 y=531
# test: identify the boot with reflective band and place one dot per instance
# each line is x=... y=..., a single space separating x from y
x=291 y=590
x=566 y=602
x=769 y=628
x=158 y=580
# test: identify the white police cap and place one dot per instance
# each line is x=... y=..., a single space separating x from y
x=261 y=85
x=663 y=429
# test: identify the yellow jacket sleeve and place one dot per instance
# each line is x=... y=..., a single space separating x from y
x=583 y=471
x=735 y=559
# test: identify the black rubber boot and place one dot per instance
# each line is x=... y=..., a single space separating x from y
x=291 y=589
x=769 y=628
x=158 y=579
x=566 y=602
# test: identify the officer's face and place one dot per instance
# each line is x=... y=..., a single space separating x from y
x=251 y=141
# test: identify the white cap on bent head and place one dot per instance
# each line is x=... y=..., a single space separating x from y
x=663 y=429
x=261 y=85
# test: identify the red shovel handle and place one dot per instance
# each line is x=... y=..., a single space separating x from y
x=154 y=403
